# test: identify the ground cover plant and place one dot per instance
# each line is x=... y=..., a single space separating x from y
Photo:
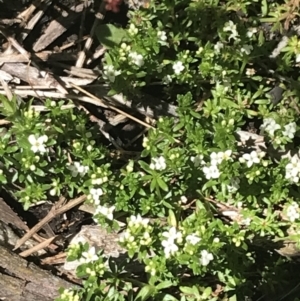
x=208 y=215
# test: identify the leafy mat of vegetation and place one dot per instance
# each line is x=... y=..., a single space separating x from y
x=209 y=217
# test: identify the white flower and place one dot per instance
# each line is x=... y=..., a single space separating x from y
x=89 y=256
x=178 y=67
x=76 y=168
x=270 y=126
x=216 y=158
x=251 y=32
x=38 y=144
x=183 y=199
x=293 y=212
x=218 y=46
x=170 y=248
x=193 y=239
x=292 y=169
x=96 y=193
x=162 y=36
x=126 y=236
x=211 y=172
x=173 y=234
x=290 y=130
x=110 y=73
x=198 y=160
x=250 y=71
x=158 y=163
x=246 y=49
x=167 y=79
x=231 y=27
x=246 y=221
x=137 y=221
x=234 y=185
x=298 y=58
x=132 y=29
x=206 y=257
x=250 y=158
x=106 y=211
x=136 y=58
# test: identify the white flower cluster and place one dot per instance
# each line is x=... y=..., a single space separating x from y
x=69 y=295
x=292 y=212
x=95 y=194
x=231 y=27
x=246 y=49
x=76 y=168
x=234 y=185
x=158 y=163
x=253 y=158
x=133 y=30
x=212 y=171
x=138 y=227
x=292 y=169
x=110 y=73
x=206 y=257
x=136 y=58
x=162 y=36
x=271 y=126
x=106 y=211
x=193 y=239
x=170 y=247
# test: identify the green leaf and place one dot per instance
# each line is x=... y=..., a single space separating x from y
x=232 y=298
x=110 y=35
x=145 y=166
x=207 y=292
x=172 y=218
x=145 y=293
x=9 y=106
x=164 y=284
x=162 y=184
x=153 y=185
x=188 y=290
x=168 y=297
x=262 y=101
x=264 y=7
x=230 y=103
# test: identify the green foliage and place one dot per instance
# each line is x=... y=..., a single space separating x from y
x=206 y=215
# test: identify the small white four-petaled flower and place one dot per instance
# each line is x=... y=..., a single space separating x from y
x=89 y=256
x=110 y=73
x=251 y=158
x=38 y=144
x=178 y=67
x=162 y=36
x=206 y=257
x=170 y=247
x=290 y=130
x=193 y=239
x=77 y=168
x=211 y=172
